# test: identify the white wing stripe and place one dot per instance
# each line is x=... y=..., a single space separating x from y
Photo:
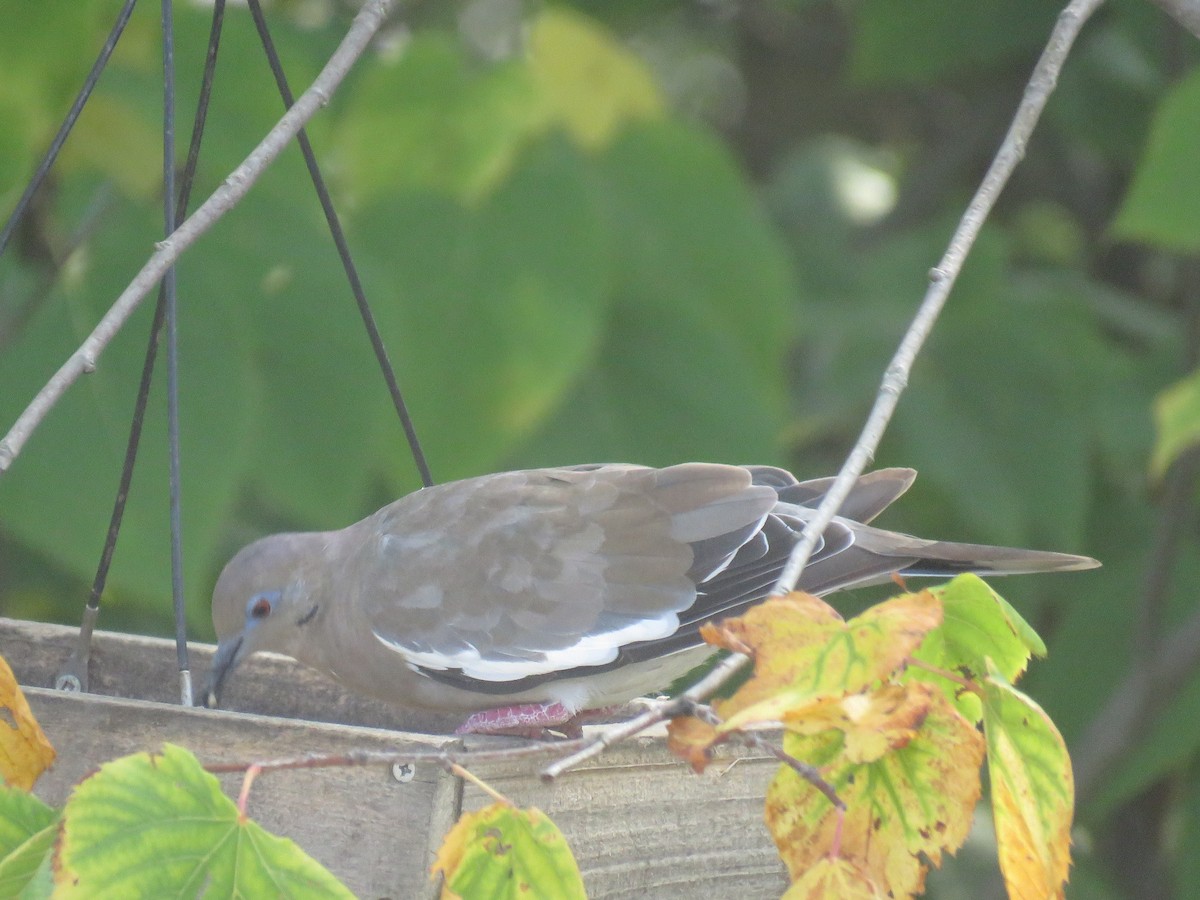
x=590 y=650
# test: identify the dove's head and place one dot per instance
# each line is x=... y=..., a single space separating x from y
x=264 y=598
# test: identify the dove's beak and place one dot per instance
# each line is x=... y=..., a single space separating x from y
x=228 y=657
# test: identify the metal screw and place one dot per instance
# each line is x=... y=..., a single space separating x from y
x=68 y=683
x=404 y=772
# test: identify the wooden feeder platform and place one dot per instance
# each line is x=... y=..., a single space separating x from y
x=640 y=822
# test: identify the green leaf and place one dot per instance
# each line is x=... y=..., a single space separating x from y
x=1106 y=96
x=47 y=51
x=310 y=372
x=692 y=235
x=58 y=495
x=1033 y=790
x=589 y=81
x=28 y=828
x=25 y=872
x=664 y=389
x=504 y=852
x=41 y=885
x=920 y=40
x=692 y=362
x=1162 y=206
x=57 y=499
x=981 y=625
x=112 y=139
x=431 y=120
x=979 y=628
x=21 y=816
x=998 y=465
x=492 y=312
x=1010 y=465
x=1177 y=421
x=157 y=825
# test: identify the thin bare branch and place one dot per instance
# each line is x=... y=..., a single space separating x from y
x=235 y=187
x=243 y=800
x=467 y=775
x=942 y=277
x=809 y=773
x=1037 y=92
x=442 y=756
x=657 y=712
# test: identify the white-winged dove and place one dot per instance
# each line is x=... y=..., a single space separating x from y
x=527 y=597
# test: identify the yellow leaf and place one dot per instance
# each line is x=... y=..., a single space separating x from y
x=25 y=753
x=502 y=851
x=593 y=85
x=453 y=847
x=801 y=645
x=784 y=636
x=910 y=805
x=834 y=879
x=690 y=739
x=807 y=661
x=1033 y=792
x=873 y=722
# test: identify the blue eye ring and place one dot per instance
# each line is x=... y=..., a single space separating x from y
x=262 y=604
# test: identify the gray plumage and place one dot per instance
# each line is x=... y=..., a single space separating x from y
x=583 y=586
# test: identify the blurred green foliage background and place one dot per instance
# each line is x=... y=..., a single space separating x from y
x=647 y=232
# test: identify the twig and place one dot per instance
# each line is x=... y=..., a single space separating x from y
x=252 y=772
x=941 y=280
x=658 y=711
x=466 y=775
x=1012 y=149
x=965 y=683
x=235 y=187
x=807 y=771
x=356 y=758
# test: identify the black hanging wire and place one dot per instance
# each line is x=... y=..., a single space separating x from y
x=339 y=240
x=74 y=675
x=172 y=326
x=81 y=100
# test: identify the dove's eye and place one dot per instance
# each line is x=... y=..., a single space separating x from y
x=260 y=606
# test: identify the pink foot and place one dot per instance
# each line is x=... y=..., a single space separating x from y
x=526 y=720
x=532 y=720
